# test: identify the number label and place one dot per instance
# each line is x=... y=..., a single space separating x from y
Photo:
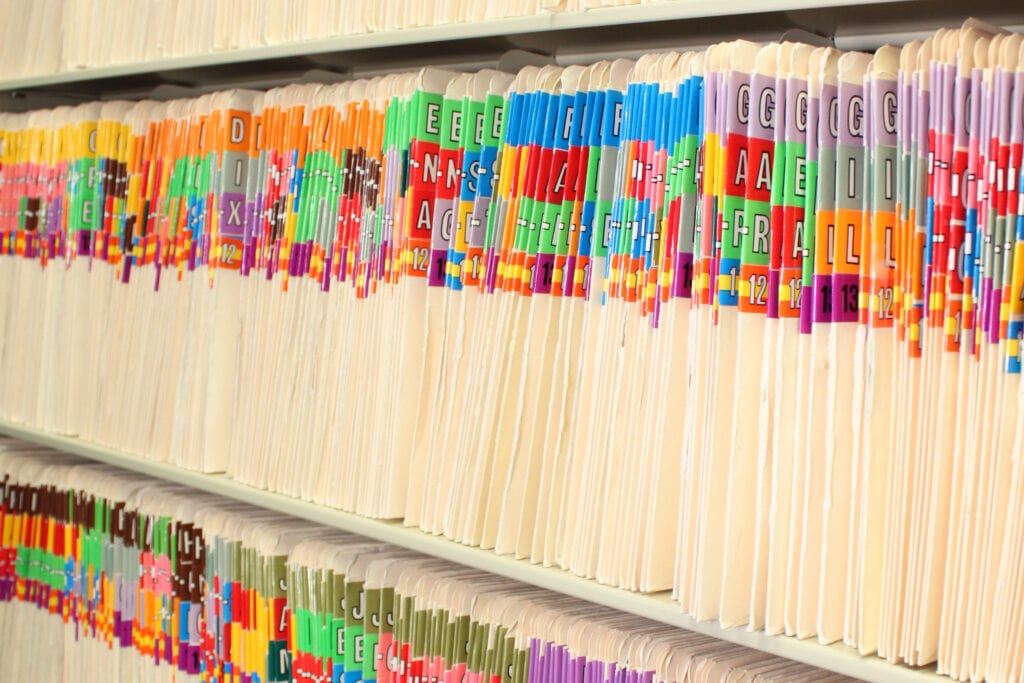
x=796 y=286
x=420 y=258
x=885 y=299
x=758 y=289
x=850 y=294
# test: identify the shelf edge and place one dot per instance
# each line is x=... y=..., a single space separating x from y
x=658 y=607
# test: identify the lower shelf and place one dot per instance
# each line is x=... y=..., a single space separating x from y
x=658 y=606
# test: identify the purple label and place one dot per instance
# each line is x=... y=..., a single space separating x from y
x=682 y=277
x=382 y=259
x=774 y=280
x=981 y=110
x=436 y=267
x=188 y=658
x=491 y=274
x=543 y=274
x=884 y=102
x=852 y=115
x=545 y=663
x=906 y=90
x=305 y=257
x=248 y=259
x=443 y=230
x=54 y=214
x=995 y=296
x=797 y=104
x=845 y=297
x=294 y=259
x=945 y=96
x=533 y=666
x=983 y=314
x=822 y=299
x=233 y=214
x=476 y=230
x=126 y=633
x=1017 y=122
x=192 y=252
x=961 y=102
x=570 y=275
x=737 y=100
x=325 y=278
x=761 y=106
x=828 y=117
x=343 y=264
x=84 y=241
x=183 y=657
x=576 y=669
x=252 y=211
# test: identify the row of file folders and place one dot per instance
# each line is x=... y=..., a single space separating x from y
x=128 y=578
x=744 y=323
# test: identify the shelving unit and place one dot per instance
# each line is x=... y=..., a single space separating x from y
x=658 y=606
x=573 y=37
x=566 y=37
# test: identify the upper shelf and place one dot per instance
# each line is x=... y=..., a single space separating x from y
x=659 y=607
x=566 y=37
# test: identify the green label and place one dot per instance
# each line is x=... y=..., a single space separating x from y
x=279 y=661
x=430 y=114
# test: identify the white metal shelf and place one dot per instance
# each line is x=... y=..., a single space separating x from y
x=564 y=37
x=659 y=606
x=605 y=17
